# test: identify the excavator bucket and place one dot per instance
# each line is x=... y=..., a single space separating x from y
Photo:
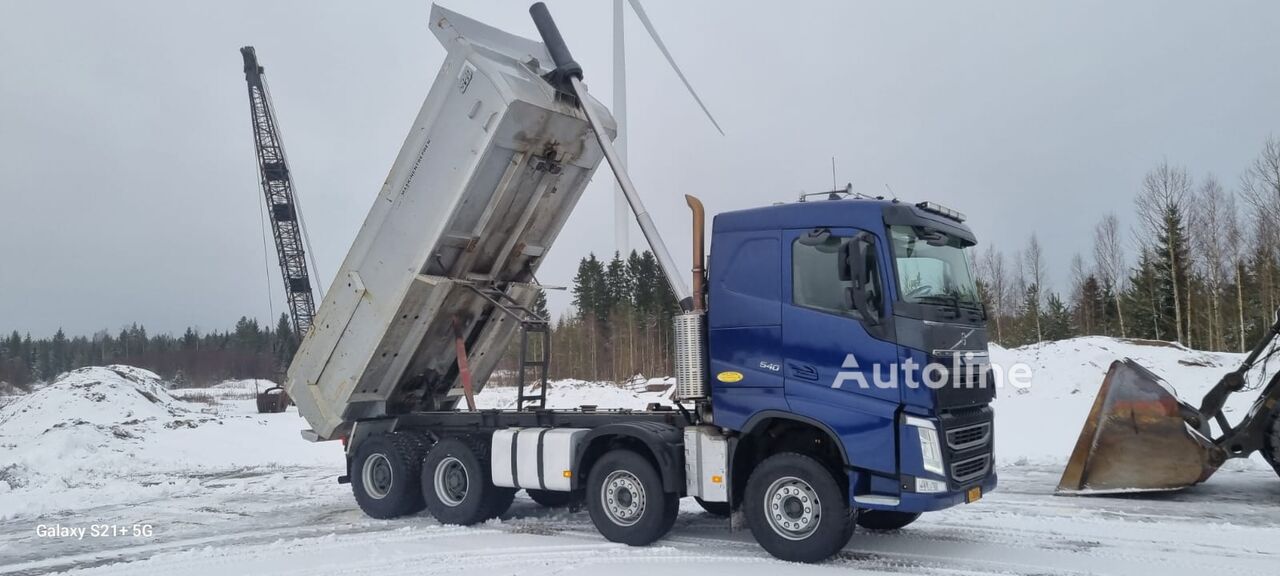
x=1137 y=439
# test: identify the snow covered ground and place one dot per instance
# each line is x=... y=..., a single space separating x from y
x=196 y=482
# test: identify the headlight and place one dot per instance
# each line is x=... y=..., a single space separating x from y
x=930 y=450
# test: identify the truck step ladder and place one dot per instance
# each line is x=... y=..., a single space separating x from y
x=535 y=353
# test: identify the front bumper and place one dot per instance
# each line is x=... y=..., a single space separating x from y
x=928 y=502
x=940 y=462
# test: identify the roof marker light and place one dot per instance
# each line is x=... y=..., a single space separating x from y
x=941 y=210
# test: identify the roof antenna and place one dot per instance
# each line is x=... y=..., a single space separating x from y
x=890 y=189
x=833 y=174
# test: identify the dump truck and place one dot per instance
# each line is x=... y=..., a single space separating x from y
x=1140 y=437
x=774 y=420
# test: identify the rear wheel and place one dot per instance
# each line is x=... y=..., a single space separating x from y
x=456 y=485
x=384 y=474
x=796 y=509
x=885 y=519
x=626 y=500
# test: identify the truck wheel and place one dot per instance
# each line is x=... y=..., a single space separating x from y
x=500 y=499
x=626 y=501
x=720 y=509
x=384 y=475
x=553 y=499
x=885 y=519
x=456 y=485
x=796 y=510
x=1271 y=444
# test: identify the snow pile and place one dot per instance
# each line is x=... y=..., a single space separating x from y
x=106 y=434
x=1040 y=423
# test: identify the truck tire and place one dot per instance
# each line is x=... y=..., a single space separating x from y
x=796 y=509
x=885 y=519
x=553 y=499
x=720 y=509
x=500 y=499
x=626 y=500
x=1271 y=444
x=384 y=474
x=456 y=485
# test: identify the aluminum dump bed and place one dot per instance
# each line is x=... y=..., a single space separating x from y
x=490 y=171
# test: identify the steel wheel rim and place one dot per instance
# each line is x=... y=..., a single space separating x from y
x=377 y=476
x=623 y=498
x=792 y=507
x=451 y=481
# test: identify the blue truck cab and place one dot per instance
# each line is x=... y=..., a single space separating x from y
x=854 y=327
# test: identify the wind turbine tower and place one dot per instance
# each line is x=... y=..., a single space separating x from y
x=621 y=210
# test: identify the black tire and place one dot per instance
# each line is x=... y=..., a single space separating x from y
x=626 y=500
x=885 y=519
x=790 y=489
x=720 y=509
x=456 y=485
x=1271 y=444
x=500 y=499
x=384 y=474
x=553 y=499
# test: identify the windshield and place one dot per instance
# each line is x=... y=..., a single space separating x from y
x=932 y=267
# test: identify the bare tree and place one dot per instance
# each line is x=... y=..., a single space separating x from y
x=1108 y=260
x=1079 y=276
x=997 y=286
x=1211 y=243
x=1261 y=181
x=1033 y=262
x=1261 y=189
x=1234 y=252
x=1165 y=191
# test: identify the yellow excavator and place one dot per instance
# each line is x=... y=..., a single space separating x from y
x=1140 y=437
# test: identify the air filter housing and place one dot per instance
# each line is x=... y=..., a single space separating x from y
x=691 y=355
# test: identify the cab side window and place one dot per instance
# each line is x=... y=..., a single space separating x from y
x=815 y=276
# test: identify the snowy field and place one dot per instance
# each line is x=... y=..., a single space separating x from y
x=196 y=482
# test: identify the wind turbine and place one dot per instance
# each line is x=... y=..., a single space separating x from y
x=621 y=210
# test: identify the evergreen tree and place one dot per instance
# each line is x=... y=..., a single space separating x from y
x=1056 y=323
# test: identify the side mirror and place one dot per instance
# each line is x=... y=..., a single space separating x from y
x=857 y=263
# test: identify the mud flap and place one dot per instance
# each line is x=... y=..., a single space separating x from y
x=1136 y=439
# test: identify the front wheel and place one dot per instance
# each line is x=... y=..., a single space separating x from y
x=1271 y=444
x=885 y=519
x=626 y=500
x=796 y=509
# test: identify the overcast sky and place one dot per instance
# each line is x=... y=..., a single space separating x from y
x=128 y=186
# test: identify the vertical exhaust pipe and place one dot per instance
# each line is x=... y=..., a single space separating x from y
x=699 y=257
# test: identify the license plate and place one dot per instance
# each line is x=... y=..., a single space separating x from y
x=973 y=495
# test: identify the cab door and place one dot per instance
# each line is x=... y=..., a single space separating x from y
x=831 y=350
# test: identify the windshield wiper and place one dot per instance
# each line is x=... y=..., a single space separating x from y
x=942 y=299
x=955 y=302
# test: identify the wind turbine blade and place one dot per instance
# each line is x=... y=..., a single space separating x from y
x=653 y=33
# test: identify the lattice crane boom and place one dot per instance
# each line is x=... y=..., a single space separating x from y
x=282 y=204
